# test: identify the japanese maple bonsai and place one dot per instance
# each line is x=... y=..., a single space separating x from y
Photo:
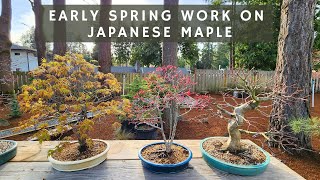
x=168 y=88
x=234 y=155
x=70 y=90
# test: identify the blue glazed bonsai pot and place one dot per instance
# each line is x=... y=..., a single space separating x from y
x=164 y=168
x=250 y=170
x=10 y=153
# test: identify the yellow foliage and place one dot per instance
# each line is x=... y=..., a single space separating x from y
x=66 y=87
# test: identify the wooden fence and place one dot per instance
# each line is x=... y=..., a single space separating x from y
x=19 y=79
x=220 y=80
x=206 y=80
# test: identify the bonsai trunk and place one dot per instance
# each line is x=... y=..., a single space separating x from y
x=83 y=146
x=233 y=143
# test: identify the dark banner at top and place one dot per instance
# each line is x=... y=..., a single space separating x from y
x=140 y=23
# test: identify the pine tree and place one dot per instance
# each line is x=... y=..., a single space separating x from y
x=14 y=108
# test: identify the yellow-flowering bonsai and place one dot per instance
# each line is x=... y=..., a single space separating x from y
x=66 y=88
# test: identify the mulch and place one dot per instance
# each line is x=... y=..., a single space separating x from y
x=193 y=127
x=70 y=151
x=157 y=154
x=249 y=154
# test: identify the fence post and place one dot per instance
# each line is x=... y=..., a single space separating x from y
x=123 y=83
x=313 y=93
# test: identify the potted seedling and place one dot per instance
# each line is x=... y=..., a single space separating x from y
x=69 y=90
x=232 y=154
x=142 y=131
x=167 y=88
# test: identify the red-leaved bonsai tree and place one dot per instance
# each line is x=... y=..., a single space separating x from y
x=167 y=88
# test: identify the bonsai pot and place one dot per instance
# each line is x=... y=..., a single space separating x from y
x=244 y=170
x=145 y=132
x=9 y=153
x=164 y=168
x=80 y=164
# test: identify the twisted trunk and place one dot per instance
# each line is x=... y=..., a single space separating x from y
x=233 y=143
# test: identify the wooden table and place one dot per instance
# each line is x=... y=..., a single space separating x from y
x=123 y=163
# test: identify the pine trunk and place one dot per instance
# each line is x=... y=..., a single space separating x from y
x=39 y=37
x=169 y=49
x=293 y=72
x=169 y=57
x=169 y=53
x=60 y=45
x=6 y=78
x=104 y=56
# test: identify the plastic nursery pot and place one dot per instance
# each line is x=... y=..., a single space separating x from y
x=145 y=132
x=9 y=153
x=244 y=170
x=127 y=126
x=164 y=168
x=80 y=164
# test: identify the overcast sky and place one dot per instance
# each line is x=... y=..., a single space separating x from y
x=23 y=17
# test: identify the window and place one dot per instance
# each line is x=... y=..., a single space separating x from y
x=17 y=54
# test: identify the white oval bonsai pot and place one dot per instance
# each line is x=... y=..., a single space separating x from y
x=80 y=164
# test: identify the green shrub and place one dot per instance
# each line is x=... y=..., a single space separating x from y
x=308 y=126
x=14 y=108
x=133 y=88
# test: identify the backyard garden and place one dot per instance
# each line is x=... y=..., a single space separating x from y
x=139 y=115
x=182 y=110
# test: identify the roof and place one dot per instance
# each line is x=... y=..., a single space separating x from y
x=18 y=47
x=146 y=70
x=120 y=69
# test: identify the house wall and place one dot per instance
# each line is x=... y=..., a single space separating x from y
x=21 y=61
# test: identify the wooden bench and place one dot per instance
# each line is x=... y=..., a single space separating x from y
x=123 y=163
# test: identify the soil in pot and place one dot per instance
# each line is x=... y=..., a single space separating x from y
x=5 y=145
x=250 y=155
x=157 y=154
x=70 y=152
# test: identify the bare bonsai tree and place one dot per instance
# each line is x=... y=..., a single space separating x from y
x=236 y=113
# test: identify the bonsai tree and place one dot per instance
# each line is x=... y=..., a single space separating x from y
x=235 y=112
x=66 y=88
x=167 y=88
